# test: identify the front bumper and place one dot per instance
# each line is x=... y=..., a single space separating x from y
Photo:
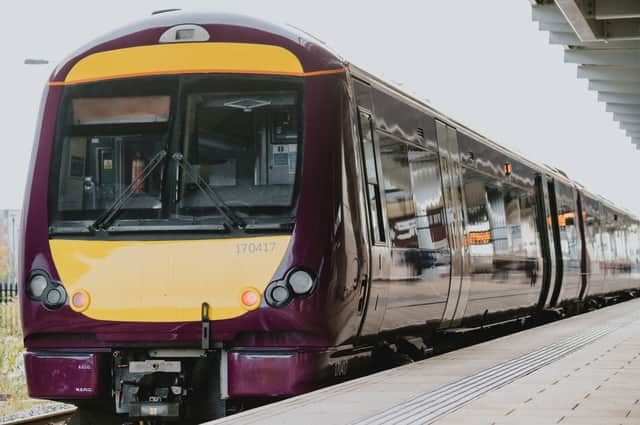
x=68 y=376
x=275 y=373
x=244 y=373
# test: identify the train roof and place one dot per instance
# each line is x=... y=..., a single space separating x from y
x=556 y=173
x=313 y=54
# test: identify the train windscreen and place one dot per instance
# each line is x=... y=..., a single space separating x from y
x=166 y=152
x=243 y=147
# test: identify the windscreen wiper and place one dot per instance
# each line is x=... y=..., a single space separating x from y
x=105 y=219
x=230 y=217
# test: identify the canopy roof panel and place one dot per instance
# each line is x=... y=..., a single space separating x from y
x=603 y=38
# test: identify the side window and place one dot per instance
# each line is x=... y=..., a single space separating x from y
x=501 y=218
x=372 y=183
x=398 y=193
x=427 y=192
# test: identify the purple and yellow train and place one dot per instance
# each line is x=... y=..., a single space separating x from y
x=220 y=209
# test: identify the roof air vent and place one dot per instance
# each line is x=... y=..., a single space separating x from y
x=184 y=34
x=420 y=133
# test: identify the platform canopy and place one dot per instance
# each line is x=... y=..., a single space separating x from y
x=603 y=38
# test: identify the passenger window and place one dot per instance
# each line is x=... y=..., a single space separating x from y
x=401 y=213
x=501 y=218
x=373 y=186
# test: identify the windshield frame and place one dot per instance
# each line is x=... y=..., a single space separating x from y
x=178 y=88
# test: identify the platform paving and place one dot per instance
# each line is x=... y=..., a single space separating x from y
x=580 y=370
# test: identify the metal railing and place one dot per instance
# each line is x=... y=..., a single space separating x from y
x=8 y=291
x=9 y=308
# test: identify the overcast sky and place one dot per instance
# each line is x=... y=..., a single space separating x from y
x=484 y=63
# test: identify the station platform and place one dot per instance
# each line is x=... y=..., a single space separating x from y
x=581 y=370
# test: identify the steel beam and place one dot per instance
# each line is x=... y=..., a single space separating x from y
x=613 y=57
x=617 y=9
x=564 y=38
x=627 y=29
x=547 y=13
x=619 y=108
x=614 y=87
x=594 y=72
x=576 y=18
x=555 y=27
x=629 y=118
x=625 y=99
x=571 y=39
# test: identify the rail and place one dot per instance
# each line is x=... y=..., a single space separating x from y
x=54 y=418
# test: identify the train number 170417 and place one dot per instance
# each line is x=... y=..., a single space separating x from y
x=255 y=247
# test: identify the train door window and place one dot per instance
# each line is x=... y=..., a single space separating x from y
x=498 y=220
x=371 y=171
x=528 y=228
x=568 y=226
x=607 y=243
x=592 y=230
x=401 y=213
x=632 y=241
x=479 y=236
x=429 y=205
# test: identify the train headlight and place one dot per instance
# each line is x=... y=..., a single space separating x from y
x=37 y=284
x=298 y=283
x=301 y=282
x=54 y=297
x=278 y=294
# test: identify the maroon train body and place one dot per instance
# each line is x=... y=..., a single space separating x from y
x=221 y=210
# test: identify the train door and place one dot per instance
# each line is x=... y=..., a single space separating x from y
x=548 y=223
x=555 y=231
x=584 y=256
x=372 y=301
x=546 y=241
x=451 y=171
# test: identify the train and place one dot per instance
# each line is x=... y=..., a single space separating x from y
x=222 y=210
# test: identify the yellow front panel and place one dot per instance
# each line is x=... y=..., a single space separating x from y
x=185 y=58
x=166 y=281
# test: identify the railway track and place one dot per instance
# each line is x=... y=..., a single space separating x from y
x=59 y=417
